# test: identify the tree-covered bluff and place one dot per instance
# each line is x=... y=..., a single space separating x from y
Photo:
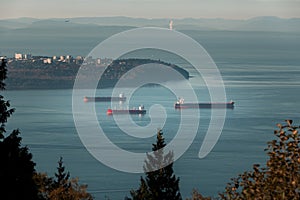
x=61 y=75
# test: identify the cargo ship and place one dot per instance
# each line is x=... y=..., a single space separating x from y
x=181 y=105
x=141 y=110
x=121 y=97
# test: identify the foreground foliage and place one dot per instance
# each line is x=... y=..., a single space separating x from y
x=16 y=168
x=280 y=179
x=18 y=177
x=197 y=196
x=61 y=187
x=160 y=184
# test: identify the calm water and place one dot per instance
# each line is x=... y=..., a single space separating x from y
x=264 y=95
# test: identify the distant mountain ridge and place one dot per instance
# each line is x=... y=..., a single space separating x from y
x=225 y=40
x=264 y=23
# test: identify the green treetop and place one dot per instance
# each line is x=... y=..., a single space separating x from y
x=160 y=182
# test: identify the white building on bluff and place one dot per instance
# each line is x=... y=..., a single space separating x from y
x=47 y=61
x=18 y=56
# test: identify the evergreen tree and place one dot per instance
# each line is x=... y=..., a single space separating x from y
x=160 y=184
x=16 y=166
x=61 y=176
x=5 y=112
x=61 y=187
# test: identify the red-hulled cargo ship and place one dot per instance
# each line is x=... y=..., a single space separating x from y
x=140 y=111
x=121 y=97
x=181 y=105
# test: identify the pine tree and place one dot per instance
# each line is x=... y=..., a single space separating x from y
x=16 y=165
x=160 y=184
x=61 y=176
x=61 y=187
x=65 y=188
x=5 y=112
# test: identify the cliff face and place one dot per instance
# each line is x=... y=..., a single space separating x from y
x=34 y=75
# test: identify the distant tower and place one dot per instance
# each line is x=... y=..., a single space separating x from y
x=171 y=25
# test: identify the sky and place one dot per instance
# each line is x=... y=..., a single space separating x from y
x=228 y=9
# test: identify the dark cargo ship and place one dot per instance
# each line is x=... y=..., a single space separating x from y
x=181 y=105
x=121 y=97
x=140 y=111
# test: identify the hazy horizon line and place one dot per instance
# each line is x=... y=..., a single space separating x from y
x=176 y=18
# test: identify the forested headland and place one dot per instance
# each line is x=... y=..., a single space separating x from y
x=61 y=75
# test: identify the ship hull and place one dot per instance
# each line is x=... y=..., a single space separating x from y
x=229 y=105
x=103 y=99
x=132 y=112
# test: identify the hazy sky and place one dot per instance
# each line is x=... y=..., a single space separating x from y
x=230 y=9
